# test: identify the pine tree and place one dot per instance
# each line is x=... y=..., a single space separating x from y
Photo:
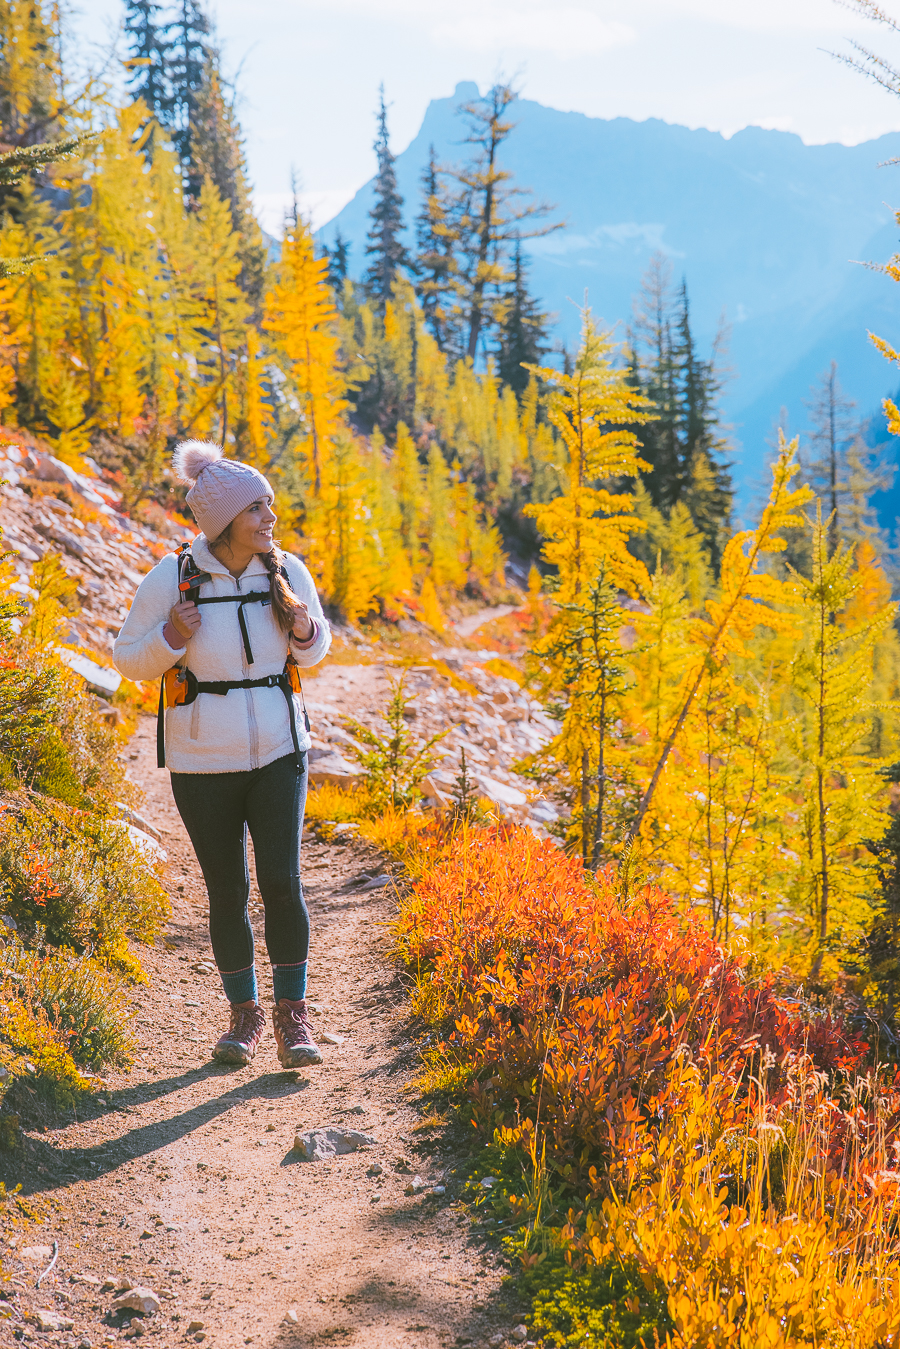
x=217 y=155
x=338 y=264
x=521 y=329
x=490 y=219
x=148 y=43
x=384 y=245
x=436 y=264
x=684 y=445
x=190 y=53
x=833 y=428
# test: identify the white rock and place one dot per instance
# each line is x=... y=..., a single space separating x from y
x=138 y=1299
x=330 y=1037
x=318 y=1145
x=496 y=1340
x=499 y=792
x=519 y=1334
x=376 y=1169
x=96 y=676
x=439 y=1189
x=85 y=1278
x=416 y=1186
x=488 y=1182
x=37 y=1255
x=50 y=1320
x=291 y=1317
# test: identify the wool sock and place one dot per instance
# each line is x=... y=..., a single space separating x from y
x=240 y=985
x=289 y=981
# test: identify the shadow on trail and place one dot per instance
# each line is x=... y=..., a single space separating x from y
x=90 y=1163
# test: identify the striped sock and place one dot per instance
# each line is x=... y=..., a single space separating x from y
x=289 y=981
x=240 y=985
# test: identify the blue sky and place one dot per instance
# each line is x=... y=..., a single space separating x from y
x=308 y=71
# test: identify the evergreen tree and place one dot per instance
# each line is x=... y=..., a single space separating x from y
x=436 y=263
x=338 y=261
x=217 y=156
x=190 y=54
x=833 y=427
x=31 y=80
x=384 y=245
x=684 y=444
x=490 y=216
x=148 y=43
x=521 y=329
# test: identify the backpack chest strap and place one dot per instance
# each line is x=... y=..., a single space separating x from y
x=252 y=597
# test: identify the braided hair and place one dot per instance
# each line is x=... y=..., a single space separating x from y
x=284 y=601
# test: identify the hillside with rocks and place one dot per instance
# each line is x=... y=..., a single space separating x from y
x=47 y=505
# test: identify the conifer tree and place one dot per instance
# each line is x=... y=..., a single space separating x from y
x=491 y=218
x=300 y=314
x=684 y=445
x=384 y=245
x=148 y=78
x=833 y=428
x=436 y=263
x=521 y=329
x=190 y=53
x=31 y=84
x=338 y=264
x=844 y=802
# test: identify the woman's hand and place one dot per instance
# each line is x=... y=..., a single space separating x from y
x=303 y=626
x=185 y=619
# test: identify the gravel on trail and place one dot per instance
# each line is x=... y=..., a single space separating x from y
x=181 y=1179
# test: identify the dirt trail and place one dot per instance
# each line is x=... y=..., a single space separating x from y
x=186 y=1181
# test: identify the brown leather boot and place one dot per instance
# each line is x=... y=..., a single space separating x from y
x=241 y=1040
x=293 y=1034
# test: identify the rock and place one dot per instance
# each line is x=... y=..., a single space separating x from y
x=416 y=1186
x=98 y=677
x=376 y=882
x=501 y=793
x=543 y=812
x=432 y=792
x=519 y=1334
x=126 y=813
x=315 y=1007
x=196 y=1325
x=318 y=1145
x=291 y=1317
x=84 y=1278
x=36 y=1255
x=496 y=1340
x=134 y=1330
x=335 y=768
x=376 y=1169
x=439 y=1189
x=45 y=1319
x=330 y=1037
x=85 y=1344
x=110 y=1285
x=355 y=1110
x=137 y=1299
x=488 y=1182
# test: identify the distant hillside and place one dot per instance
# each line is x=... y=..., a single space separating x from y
x=765 y=228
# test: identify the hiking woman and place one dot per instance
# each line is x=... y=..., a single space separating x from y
x=237 y=747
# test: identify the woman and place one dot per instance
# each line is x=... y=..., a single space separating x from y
x=237 y=748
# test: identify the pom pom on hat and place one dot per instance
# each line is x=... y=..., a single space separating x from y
x=191 y=457
x=222 y=488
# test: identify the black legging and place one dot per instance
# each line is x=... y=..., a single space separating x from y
x=216 y=809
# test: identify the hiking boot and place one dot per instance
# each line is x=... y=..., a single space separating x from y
x=293 y=1034
x=240 y=1041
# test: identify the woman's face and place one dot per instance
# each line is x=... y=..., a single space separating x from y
x=252 y=529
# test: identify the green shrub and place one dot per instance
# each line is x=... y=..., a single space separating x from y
x=76 y=880
x=86 y=1005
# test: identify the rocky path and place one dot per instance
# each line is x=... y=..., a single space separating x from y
x=182 y=1177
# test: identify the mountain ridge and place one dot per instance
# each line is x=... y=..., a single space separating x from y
x=766 y=230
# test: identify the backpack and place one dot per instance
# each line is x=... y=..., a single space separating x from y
x=179 y=686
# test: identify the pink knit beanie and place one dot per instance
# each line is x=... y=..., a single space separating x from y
x=222 y=488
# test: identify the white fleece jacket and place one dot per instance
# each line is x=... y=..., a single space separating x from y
x=242 y=729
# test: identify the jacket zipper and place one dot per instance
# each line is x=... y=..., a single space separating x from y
x=248 y=694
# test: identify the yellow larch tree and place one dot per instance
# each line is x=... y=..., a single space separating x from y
x=300 y=315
